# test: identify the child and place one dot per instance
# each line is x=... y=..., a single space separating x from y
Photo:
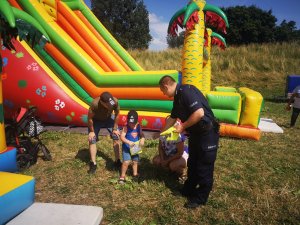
x=294 y=102
x=172 y=155
x=131 y=133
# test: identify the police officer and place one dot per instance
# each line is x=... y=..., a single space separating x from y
x=197 y=118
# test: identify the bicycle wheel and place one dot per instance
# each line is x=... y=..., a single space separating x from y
x=23 y=161
x=46 y=153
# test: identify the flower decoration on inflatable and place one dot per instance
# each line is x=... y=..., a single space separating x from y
x=14 y=23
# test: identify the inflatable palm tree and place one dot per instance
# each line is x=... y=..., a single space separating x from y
x=13 y=23
x=193 y=17
x=211 y=38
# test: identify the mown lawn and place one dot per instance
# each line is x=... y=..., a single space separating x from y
x=256 y=182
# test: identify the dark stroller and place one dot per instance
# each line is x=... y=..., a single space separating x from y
x=23 y=133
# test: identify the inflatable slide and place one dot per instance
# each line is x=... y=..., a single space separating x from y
x=82 y=61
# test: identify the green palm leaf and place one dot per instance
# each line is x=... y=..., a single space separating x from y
x=14 y=23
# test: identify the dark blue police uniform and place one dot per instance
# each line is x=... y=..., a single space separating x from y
x=203 y=142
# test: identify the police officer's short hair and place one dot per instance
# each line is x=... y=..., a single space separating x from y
x=166 y=80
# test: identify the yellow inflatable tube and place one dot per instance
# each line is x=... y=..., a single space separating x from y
x=2 y=130
x=251 y=107
x=50 y=8
x=206 y=83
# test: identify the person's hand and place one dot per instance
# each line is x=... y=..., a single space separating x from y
x=179 y=128
x=91 y=136
x=116 y=132
x=288 y=107
x=131 y=144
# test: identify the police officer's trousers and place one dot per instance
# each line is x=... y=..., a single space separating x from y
x=202 y=156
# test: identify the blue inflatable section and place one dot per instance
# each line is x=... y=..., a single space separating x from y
x=8 y=161
x=16 y=195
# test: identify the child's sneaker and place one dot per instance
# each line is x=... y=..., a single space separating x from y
x=121 y=180
x=93 y=168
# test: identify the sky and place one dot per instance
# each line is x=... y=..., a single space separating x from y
x=161 y=11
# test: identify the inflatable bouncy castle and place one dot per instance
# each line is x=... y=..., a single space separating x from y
x=16 y=190
x=83 y=59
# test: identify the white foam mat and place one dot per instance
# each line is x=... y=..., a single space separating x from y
x=59 y=214
x=268 y=125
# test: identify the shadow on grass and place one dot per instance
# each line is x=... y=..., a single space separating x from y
x=148 y=172
x=84 y=156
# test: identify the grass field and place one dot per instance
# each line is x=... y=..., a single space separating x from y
x=256 y=182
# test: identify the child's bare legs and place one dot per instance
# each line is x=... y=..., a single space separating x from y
x=93 y=152
x=124 y=169
x=156 y=160
x=116 y=146
x=135 y=168
x=178 y=166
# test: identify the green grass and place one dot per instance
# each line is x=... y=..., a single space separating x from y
x=261 y=67
x=256 y=182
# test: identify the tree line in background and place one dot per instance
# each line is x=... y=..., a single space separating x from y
x=251 y=25
x=128 y=21
x=254 y=25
